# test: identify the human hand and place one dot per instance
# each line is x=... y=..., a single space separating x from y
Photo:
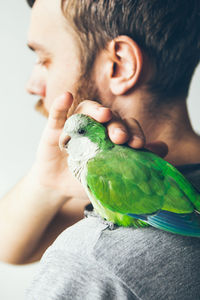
x=50 y=167
x=121 y=131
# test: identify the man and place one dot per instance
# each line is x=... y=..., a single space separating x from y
x=38 y=222
x=138 y=58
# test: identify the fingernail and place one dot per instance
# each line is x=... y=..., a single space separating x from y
x=60 y=97
x=119 y=131
x=102 y=108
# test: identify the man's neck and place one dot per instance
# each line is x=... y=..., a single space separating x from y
x=169 y=124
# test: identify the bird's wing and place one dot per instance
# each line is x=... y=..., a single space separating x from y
x=178 y=182
x=131 y=182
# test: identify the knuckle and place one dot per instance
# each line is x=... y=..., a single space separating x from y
x=84 y=102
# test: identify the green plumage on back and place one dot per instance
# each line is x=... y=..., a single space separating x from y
x=137 y=182
x=130 y=187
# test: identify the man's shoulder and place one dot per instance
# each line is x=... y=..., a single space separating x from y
x=69 y=269
x=80 y=237
x=166 y=264
x=98 y=235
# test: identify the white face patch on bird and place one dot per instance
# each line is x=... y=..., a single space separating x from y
x=81 y=126
x=75 y=140
x=74 y=127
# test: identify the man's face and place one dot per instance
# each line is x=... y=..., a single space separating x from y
x=58 y=65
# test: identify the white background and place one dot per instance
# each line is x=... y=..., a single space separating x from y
x=21 y=126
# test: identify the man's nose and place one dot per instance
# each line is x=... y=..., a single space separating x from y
x=37 y=83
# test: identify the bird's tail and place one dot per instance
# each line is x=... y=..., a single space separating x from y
x=184 y=224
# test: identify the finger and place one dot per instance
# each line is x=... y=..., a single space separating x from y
x=136 y=135
x=158 y=147
x=58 y=111
x=95 y=110
x=117 y=132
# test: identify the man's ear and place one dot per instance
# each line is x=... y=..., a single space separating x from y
x=126 y=58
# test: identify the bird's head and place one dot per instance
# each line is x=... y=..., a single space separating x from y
x=80 y=126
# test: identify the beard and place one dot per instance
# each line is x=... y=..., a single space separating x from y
x=85 y=89
x=39 y=107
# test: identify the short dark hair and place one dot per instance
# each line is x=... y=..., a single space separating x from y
x=168 y=31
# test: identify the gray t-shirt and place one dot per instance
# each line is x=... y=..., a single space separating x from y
x=94 y=260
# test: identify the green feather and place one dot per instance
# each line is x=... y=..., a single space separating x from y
x=118 y=179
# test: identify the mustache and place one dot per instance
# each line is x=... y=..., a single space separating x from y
x=39 y=107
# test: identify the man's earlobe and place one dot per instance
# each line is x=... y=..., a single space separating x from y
x=127 y=64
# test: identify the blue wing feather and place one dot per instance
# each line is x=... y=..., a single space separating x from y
x=184 y=224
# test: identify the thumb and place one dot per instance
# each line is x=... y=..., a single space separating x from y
x=59 y=110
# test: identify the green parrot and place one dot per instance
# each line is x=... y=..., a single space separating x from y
x=129 y=187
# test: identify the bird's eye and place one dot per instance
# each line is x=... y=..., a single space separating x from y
x=81 y=131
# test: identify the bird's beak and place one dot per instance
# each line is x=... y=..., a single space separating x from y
x=63 y=141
